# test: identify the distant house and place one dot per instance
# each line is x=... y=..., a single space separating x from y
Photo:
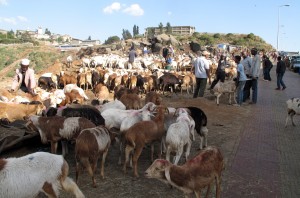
x=75 y=41
x=91 y=42
x=3 y=31
x=179 y=30
x=40 y=35
x=29 y=32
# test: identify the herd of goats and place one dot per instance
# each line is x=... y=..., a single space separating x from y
x=127 y=119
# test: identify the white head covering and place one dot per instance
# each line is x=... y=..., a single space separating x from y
x=25 y=61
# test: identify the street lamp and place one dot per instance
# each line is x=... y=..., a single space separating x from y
x=278 y=22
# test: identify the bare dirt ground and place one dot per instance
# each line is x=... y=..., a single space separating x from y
x=225 y=124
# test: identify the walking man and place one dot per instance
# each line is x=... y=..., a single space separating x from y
x=280 y=70
x=201 y=70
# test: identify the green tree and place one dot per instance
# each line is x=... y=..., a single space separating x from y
x=161 y=27
x=126 y=34
x=150 y=32
x=134 y=31
x=137 y=30
x=25 y=37
x=112 y=39
x=59 y=39
x=89 y=38
x=251 y=36
x=168 y=28
x=217 y=35
x=47 y=32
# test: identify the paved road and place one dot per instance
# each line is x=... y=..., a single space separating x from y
x=267 y=158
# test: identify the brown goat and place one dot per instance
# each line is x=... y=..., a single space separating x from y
x=90 y=144
x=131 y=101
x=101 y=92
x=154 y=97
x=142 y=133
x=195 y=174
x=67 y=79
x=53 y=129
x=13 y=112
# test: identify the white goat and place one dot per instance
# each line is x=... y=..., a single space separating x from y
x=226 y=87
x=293 y=106
x=114 y=117
x=69 y=87
x=37 y=172
x=178 y=136
x=116 y=104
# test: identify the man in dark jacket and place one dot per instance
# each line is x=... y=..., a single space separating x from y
x=280 y=70
x=267 y=66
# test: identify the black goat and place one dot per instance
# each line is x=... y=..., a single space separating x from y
x=86 y=111
x=46 y=83
x=200 y=123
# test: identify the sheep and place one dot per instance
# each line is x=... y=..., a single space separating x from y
x=114 y=117
x=178 y=136
x=131 y=101
x=90 y=144
x=293 y=107
x=225 y=87
x=53 y=129
x=141 y=133
x=37 y=172
x=195 y=174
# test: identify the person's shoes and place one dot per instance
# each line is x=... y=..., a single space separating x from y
x=283 y=88
x=277 y=88
x=265 y=80
x=252 y=102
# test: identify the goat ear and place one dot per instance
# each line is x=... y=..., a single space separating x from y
x=167 y=110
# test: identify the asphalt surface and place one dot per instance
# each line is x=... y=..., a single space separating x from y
x=267 y=158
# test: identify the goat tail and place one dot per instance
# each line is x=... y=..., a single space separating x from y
x=70 y=186
x=67 y=183
x=130 y=142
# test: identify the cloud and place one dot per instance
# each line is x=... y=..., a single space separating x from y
x=23 y=19
x=169 y=13
x=134 y=10
x=3 y=2
x=116 y=6
x=8 y=20
x=13 y=20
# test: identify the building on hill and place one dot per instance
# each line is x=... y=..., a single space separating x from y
x=3 y=31
x=179 y=30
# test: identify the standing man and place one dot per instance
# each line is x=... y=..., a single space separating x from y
x=132 y=55
x=280 y=70
x=246 y=62
x=267 y=66
x=201 y=70
x=241 y=78
x=254 y=71
x=24 y=78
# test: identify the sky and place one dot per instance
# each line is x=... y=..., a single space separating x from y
x=101 y=19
